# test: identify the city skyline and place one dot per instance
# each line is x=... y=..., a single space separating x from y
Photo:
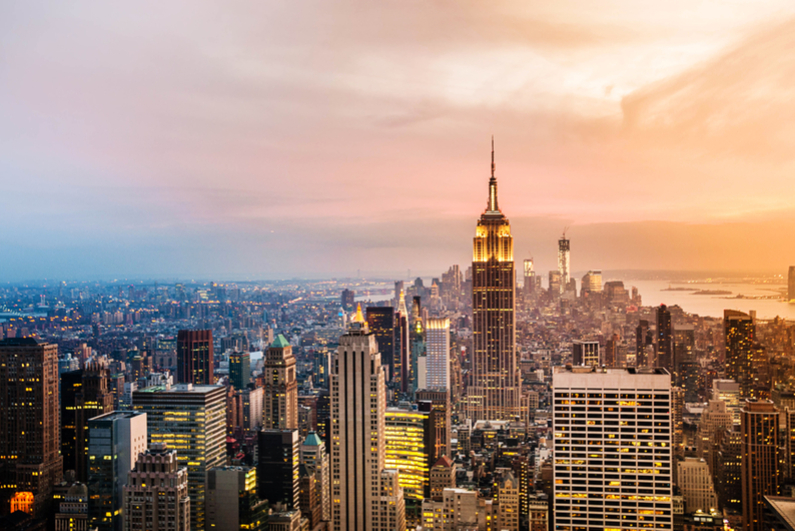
x=224 y=160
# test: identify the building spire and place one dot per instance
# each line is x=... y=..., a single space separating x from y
x=493 y=183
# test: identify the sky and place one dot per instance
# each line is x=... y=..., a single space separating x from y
x=280 y=139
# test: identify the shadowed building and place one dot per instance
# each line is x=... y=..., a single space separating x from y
x=381 y=321
x=30 y=427
x=760 y=467
x=195 y=357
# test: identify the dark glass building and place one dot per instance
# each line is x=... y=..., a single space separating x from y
x=277 y=471
x=195 y=357
x=381 y=321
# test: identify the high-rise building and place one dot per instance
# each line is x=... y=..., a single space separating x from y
x=791 y=284
x=347 y=299
x=407 y=450
x=529 y=285
x=555 y=285
x=156 y=494
x=740 y=333
x=437 y=405
x=728 y=477
x=419 y=365
x=437 y=344
x=760 y=466
x=585 y=353
x=280 y=405
x=315 y=461
x=92 y=400
x=612 y=448
x=279 y=460
x=232 y=501
x=695 y=482
x=30 y=427
x=564 y=265
x=495 y=390
x=643 y=339
x=665 y=344
x=591 y=282
x=364 y=494
x=381 y=321
x=240 y=369
x=192 y=420
x=71 y=384
x=114 y=441
x=195 y=361
x=401 y=361
x=714 y=419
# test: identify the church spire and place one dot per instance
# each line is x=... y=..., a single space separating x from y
x=493 y=183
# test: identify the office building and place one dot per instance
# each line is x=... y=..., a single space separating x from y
x=251 y=405
x=419 y=365
x=714 y=419
x=739 y=335
x=612 y=448
x=407 y=450
x=695 y=482
x=71 y=384
x=436 y=404
x=30 y=427
x=495 y=390
x=279 y=460
x=347 y=299
x=585 y=353
x=728 y=476
x=442 y=476
x=437 y=344
x=381 y=321
x=232 y=500
x=192 y=420
x=665 y=348
x=364 y=494
x=529 y=285
x=156 y=495
x=114 y=441
x=239 y=369
x=72 y=512
x=315 y=462
x=401 y=363
x=729 y=392
x=94 y=398
x=760 y=466
x=195 y=359
x=564 y=265
x=591 y=283
x=280 y=403
x=643 y=339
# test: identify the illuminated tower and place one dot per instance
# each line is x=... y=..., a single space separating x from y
x=280 y=406
x=563 y=261
x=195 y=357
x=760 y=466
x=494 y=390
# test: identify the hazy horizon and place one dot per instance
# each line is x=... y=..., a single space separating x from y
x=285 y=140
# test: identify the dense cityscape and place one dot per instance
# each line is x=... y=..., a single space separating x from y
x=481 y=399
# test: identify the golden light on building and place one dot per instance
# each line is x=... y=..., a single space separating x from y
x=22 y=501
x=406 y=450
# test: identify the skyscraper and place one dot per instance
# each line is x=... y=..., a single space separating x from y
x=760 y=467
x=643 y=339
x=494 y=393
x=232 y=501
x=585 y=353
x=195 y=357
x=277 y=471
x=71 y=384
x=381 y=321
x=665 y=344
x=280 y=403
x=437 y=405
x=315 y=461
x=191 y=419
x=402 y=357
x=437 y=344
x=156 y=495
x=364 y=494
x=407 y=450
x=740 y=333
x=30 y=428
x=94 y=398
x=564 y=266
x=240 y=369
x=114 y=441
x=613 y=454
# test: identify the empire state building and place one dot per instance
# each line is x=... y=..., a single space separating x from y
x=494 y=393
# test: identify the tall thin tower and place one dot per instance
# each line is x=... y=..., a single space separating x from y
x=364 y=494
x=564 y=264
x=494 y=391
